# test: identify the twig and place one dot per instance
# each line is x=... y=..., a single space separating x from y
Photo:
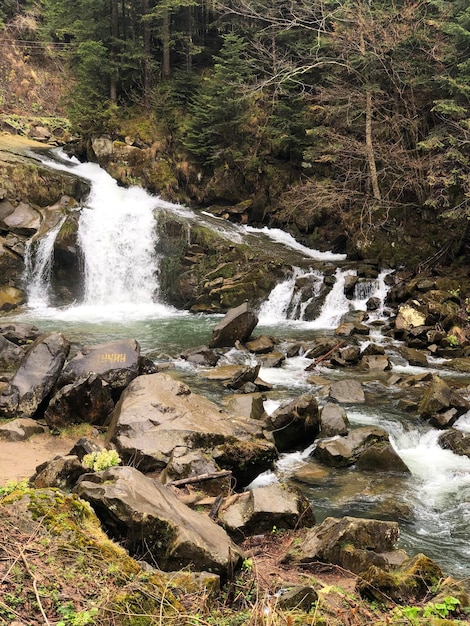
x=323 y=357
x=35 y=587
x=198 y=479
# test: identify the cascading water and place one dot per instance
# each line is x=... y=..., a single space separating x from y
x=38 y=265
x=117 y=237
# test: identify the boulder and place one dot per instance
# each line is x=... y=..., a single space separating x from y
x=61 y=473
x=347 y=391
x=352 y=543
x=295 y=423
x=157 y=414
x=203 y=355
x=155 y=525
x=455 y=440
x=459 y=365
x=369 y=447
x=115 y=362
x=300 y=598
x=441 y=404
x=247 y=404
x=414 y=357
x=10 y=354
x=35 y=377
x=245 y=459
x=233 y=376
x=23 y=221
x=86 y=400
x=410 y=583
x=260 y=510
x=10 y=298
x=260 y=345
x=333 y=421
x=185 y=464
x=409 y=317
x=237 y=325
x=20 y=334
x=271 y=359
x=21 y=429
x=376 y=362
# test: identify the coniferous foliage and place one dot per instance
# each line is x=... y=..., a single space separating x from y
x=363 y=106
x=217 y=130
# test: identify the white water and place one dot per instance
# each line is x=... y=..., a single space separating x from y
x=439 y=487
x=38 y=266
x=284 y=303
x=117 y=236
x=280 y=236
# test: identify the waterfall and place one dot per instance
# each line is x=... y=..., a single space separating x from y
x=373 y=288
x=336 y=304
x=38 y=266
x=117 y=236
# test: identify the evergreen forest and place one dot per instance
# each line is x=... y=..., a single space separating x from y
x=356 y=108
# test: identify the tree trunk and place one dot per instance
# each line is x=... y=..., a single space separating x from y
x=370 y=148
x=147 y=57
x=166 y=66
x=114 y=35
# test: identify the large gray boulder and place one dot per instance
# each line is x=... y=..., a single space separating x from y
x=10 y=354
x=348 y=391
x=333 y=421
x=441 y=404
x=237 y=325
x=155 y=525
x=264 y=509
x=157 y=414
x=295 y=423
x=115 y=362
x=368 y=447
x=86 y=400
x=24 y=220
x=352 y=543
x=36 y=376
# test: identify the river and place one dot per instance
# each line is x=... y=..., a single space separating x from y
x=118 y=233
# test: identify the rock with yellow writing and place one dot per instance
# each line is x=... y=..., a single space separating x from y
x=115 y=362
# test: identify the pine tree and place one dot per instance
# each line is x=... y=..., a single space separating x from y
x=217 y=130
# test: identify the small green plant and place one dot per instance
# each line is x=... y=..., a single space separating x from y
x=98 y=461
x=12 y=486
x=72 y=617
x=453 y=341
x=441 y=609
x=415 y=614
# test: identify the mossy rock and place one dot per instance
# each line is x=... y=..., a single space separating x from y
x=69 y=556
x=410 y=583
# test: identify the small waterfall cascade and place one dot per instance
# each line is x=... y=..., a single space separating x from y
x=38 y=266
x=286 y=301
x=117 y=236
x=374 y=288
x=336 y=304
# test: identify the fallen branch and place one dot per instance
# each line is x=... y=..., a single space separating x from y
x=35 y=587
x=324 y=357
x=198 y=479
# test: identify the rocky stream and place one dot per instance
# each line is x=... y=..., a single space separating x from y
x=291 y=385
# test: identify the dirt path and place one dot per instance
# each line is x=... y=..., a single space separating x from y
x=19 y=459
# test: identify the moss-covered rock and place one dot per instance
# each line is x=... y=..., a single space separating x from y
x=80 y=572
